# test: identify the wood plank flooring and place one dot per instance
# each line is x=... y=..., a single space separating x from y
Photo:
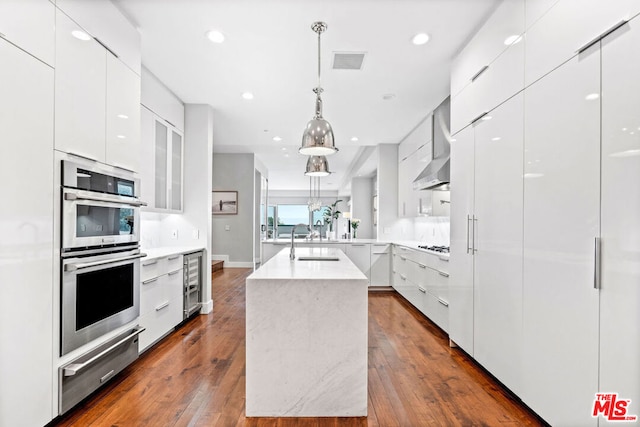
x=195 y=377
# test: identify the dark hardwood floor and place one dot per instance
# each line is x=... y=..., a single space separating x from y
x=195 y=377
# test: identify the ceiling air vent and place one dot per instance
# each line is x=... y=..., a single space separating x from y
x=348 y=60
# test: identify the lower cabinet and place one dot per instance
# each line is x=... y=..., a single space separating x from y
x=360 y=255
x=380 y=264
x=422 y=279
x=161 y=298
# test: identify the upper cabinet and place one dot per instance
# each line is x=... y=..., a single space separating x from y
x=567 y=28
x=103 y=20
x=97 y=99
x=414 y=153
x=490 y=69
x=30 y=25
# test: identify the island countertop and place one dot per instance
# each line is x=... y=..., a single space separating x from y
x=306 y=329
x=281 y=267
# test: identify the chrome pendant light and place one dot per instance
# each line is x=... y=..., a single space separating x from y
x=317 y=139
x=317 y=166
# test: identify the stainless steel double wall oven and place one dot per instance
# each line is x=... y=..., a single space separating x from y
x=100 y=252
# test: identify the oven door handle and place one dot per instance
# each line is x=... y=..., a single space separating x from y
x=74 y=368
x=75 y=196
x=81 y=265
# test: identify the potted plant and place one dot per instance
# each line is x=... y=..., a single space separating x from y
x=330 y=214
x=355 y=222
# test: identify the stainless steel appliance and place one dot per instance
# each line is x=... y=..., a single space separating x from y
x=439 y=249
x=100 y=206
x=100 y=293
x=437 y=171
x=192 y=270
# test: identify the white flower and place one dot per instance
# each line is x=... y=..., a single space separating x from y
x=355 y=222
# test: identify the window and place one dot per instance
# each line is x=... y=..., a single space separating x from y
x=290 y=215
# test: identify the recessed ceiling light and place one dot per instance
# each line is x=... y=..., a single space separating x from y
x=81 y=35
x=624 y=129
x=497 y=138
x=420 y=39
x=277 y=139
x=592 y=96
x=354 y=139
x=512 y=40
x=388 y=96
x=122 y=116
x=284 y=148
x=215 y=36
x=247 y=95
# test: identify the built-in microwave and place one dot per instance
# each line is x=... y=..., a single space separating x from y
x=100 y=206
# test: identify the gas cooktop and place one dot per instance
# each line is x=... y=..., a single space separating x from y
x=441 y=249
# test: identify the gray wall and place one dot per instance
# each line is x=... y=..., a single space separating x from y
x=362 y=205
x=235 y=172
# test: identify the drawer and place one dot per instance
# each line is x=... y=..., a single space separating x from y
x=173 y=263
x=152 y=293
x=377 y=248
x=158 y=322
x=437 y=310
x=150 y=268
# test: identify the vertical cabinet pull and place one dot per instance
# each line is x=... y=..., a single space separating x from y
x=473 y=237
x=596 y=263
x=468 y=219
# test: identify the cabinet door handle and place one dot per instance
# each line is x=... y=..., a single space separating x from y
x=421 y=289
x=149 y=263
x=479 y=117
x=356 y=245
x=146 y=282
x=403 y=277
x=473 y=237
x=443 y=259
x=443 y=302
x=442 y=273
x=601 y=36
x=468 y=219
x=403 y=258
x=596 y=263
x=174 y=272
x=171 y=258
x=380 y=253
x=163 y=305
x=422 y=265
x=479 y=73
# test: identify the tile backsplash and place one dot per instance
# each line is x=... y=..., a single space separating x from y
x=432 y=230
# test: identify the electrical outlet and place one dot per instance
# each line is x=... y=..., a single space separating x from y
x=227 y=228
x=196 y=233
x=174 y=234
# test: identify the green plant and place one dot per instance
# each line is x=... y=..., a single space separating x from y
x=331 y=213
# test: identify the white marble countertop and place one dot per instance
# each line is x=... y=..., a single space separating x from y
x=168 y=250
x=411 y=244
x=317 y=240
x=281 y=267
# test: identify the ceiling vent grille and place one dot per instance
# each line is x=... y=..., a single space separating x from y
x=348 y=60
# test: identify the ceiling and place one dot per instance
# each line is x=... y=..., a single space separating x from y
x=271 y=51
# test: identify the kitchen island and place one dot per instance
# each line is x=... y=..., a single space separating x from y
x=306 y=337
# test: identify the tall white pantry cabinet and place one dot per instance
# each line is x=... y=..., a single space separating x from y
x=579 y=211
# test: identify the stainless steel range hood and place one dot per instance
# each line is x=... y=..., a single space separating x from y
x=436 y=173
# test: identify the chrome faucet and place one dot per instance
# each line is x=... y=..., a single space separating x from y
x=292 y=254
x=319 y=228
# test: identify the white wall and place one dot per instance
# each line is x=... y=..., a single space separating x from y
x=235 y=172
x=362 y=205
x=390 y=227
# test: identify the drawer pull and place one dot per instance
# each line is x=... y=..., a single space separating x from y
x=149 y=263
x=443 y=259
x=174 y=272
x=601 y=36
x=171 y=258
x=146 y=282
x=421 y=289
x=442 y=273
x=422 y=265
x=443 y=302
x=107 y=376
x=163 y=305
x=479 y=73
x=380 y=253
x=357 y=245
x=403 y=277
x=479 y=117
x=404 y=258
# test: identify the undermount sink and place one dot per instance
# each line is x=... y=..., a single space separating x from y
x=318 y=258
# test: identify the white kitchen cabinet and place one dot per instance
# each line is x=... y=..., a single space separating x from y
x=488 y=43
x=360 y=255
x=620 y=226
x=414 y=154
x=97 y=104
x=561 y=221
x=486 y=241
x=26 y=247
x=80 y=96
x=122 y=116
x=162 y=176
x=30 y=25
x=103 y=20
x=461 y=257
x=380 y=264
x=497 y=242
x=161 y=297
x=567 y=27
x=535 y=9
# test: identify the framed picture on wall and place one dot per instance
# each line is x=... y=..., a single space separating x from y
x=225 y=203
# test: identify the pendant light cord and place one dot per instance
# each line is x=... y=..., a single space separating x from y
x=319 y=56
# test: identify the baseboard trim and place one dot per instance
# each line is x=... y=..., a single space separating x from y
x=207 y=307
